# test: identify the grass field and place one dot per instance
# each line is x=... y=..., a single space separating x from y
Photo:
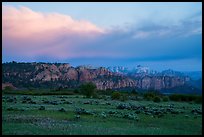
x=74 y=114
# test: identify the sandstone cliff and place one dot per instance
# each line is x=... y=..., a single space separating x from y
x=102 y=77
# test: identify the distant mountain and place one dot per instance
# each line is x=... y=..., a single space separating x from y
x=53 y=75
x=125 y=70
x=170 y=72
x=196 y=84
x=141 y=69
x=193 y=79
x=119 y=69
x=195 y=75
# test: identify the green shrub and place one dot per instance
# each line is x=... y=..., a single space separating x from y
x=103 y=97
x=8 y=88
x=148 y=98
x=186 y=98
x=134 y=92
x=174 y=97
x=62 y=110
x=149 y=95
x=76 y=91
x=116 y=95
x=123 y=98
x=88 y=89
x=42 y=108
x=198 y=100
x=165 y=99
x=156 y=99
x=95 y=95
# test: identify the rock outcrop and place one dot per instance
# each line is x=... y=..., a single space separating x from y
x=160 y=82
x=102 y=77
x=4 y=85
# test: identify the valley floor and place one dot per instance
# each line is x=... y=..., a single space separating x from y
x=74 y=115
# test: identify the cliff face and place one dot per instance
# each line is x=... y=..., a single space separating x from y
x=160 y=82
x=103 y=78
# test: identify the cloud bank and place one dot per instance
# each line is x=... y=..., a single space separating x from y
x=36 y=36
x=30 y=33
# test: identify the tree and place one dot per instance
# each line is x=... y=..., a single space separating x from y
x=134 y=92
x=88 y=89
x=14 y=62
x=149 y=96
x=165 y=99
x=156 y=99
x=76 y=91
x=116 y=95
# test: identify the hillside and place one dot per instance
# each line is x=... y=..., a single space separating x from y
x=55 y=75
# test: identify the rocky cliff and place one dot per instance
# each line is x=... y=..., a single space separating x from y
x=65 y=75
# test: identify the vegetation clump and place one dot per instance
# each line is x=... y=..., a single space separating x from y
x=42 y=108
x=88 y=89
x=186 y=98
x=165 y=99
x=77 y=117
x=149 y=96
x=156 y=99
x=116 y=95
x=62 y=110
x=123 y=98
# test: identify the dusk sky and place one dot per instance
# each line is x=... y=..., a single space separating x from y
x=157 y=35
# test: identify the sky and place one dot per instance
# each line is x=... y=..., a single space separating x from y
x=158 y=35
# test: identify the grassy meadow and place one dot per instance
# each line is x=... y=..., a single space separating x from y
x=78 y=115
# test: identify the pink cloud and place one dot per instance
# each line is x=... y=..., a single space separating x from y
x=30 y=33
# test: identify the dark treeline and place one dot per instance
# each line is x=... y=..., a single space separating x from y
x=89 y=90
